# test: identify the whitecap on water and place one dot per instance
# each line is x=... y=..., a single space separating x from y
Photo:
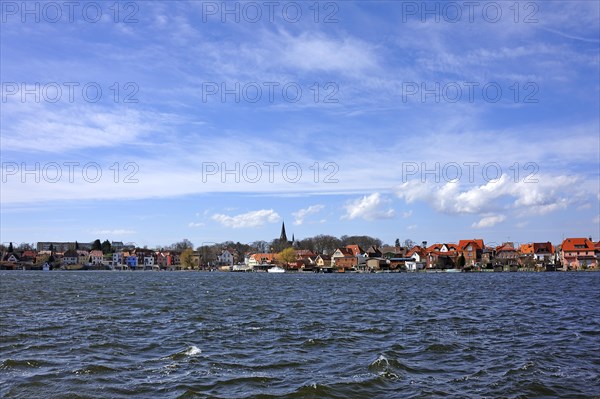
x=192 y=351
x=380 y=362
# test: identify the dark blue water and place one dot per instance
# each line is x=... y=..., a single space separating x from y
x=226 y=335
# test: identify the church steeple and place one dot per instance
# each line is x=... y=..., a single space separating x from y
x=283 y=236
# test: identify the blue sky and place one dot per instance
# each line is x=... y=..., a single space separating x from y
x=430 y=121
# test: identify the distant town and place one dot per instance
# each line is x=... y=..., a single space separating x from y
x=322 y=253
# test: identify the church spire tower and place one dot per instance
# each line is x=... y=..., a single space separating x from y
x=283 y=236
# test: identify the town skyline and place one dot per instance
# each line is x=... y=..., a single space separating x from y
x=386 y=119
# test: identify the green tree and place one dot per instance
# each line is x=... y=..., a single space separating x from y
x=397 y=242
x=96 y=245
x=76 y=245
x=187 y=258
x=106 y=247
x=288 y=255
x=10 y=248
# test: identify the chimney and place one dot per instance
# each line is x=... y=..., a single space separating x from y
x=424 y=244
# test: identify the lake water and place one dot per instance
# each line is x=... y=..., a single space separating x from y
x=227 y=335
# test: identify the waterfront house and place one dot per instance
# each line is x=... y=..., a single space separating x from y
x=261 y=259
x=441 y=256
x=388 y=251
x=10 y=257
x=323 y=261
x=117 y=259
x=578 y=253
x=373 y=252
x=472 y=250
x=225 y=258
x=507 y=255
x=70 y=257
x=95 y=258
x=344 y=258
x=418 y=256
x=131 y=261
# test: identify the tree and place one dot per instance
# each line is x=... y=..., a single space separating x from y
x=106 y=247
x=288 y=255
x=460 y=262
x=10 y=248
x=408 y=243
x=96 y=245
x=325 y=243
x=182 y=245
x=76 y=245
x=362 y=241
x=187 y=258
x=397 y=242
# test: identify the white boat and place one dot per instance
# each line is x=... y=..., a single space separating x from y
x=46 y=267
x=276 y=269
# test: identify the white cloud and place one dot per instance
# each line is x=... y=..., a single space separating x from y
x=407 y=214
x=549 y=194
x=249 y=219
x=311 y=51
x=196 y=224
x=412 y=227
x=303 y=213
x=370 y=207
x=489 y=221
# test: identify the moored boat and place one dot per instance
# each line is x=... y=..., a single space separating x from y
x=276 y=269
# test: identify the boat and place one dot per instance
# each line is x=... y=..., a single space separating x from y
x=276 y=269
x=46 y=267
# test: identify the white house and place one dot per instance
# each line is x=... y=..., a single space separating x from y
x=225 y=258
x=419 y=259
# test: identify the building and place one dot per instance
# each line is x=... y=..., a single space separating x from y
x=578 y=253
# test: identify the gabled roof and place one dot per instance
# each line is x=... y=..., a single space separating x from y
x=259 y=257
x=304 y=253
x=8 y=255
x=71 y=253
x=477 y=243
x=507 y=246
x=577 y=244
x=356 y=250
x=96 y=252
x=434 y=247
x=543 y=247
x=345 y=251
x=416 y=249
x=526 y=249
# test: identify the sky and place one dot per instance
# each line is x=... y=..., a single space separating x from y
x=152 y=121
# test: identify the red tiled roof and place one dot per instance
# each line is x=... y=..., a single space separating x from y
x=543 y=247
x=577 y=244
x=526 y=248
x=346 y=251
x=462 y=244
x=356 y=250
